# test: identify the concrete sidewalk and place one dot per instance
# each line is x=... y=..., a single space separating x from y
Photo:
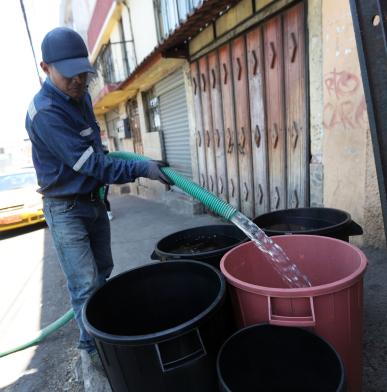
x=34 y=294
x=137 y=226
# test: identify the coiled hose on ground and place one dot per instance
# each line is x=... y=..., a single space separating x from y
x=215 y=204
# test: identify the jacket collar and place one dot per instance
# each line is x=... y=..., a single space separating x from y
x=51 y=86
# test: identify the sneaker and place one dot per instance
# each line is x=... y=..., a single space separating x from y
x=110 y=215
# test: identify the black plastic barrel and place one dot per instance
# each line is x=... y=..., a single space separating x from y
x=204 y=243
x=271 y=358
x=328 y=222
x=159 y=327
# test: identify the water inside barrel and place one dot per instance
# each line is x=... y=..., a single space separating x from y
x=204 y=243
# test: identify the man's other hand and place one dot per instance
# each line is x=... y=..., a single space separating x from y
x=154 y=172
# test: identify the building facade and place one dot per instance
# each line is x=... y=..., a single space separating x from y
x=259 y=101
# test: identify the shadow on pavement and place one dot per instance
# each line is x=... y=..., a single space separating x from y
x=375 y=321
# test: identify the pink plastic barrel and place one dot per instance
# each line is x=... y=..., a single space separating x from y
x=332 y=307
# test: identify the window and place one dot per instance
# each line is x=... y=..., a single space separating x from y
x=171 y=13
x=153 y=111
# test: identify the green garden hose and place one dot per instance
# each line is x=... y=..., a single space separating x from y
x=42 y=334
x=215 y=204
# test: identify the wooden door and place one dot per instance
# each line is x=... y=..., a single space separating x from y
x=273 y=48
x=256 y=72
x=227 y=90
x=200 y=149
x=295 y=102
x=134 y=121
x=217 y=124
x=205 y=91
x=242 y=123
x=261 y=103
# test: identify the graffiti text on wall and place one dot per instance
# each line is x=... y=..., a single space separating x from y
x=346 y=107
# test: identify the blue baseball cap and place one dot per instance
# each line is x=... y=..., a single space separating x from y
x=65 y=49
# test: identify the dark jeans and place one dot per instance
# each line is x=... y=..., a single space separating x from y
x=81 y=234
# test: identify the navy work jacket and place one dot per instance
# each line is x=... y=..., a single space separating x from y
x=66 y=146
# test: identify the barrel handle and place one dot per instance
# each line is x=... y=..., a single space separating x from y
x=292 y=321
x=353 y=229
x=167 y=366
x=155 y=256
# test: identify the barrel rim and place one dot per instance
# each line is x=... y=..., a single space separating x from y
x=204 y=254
x=313 y=291
x=157 y=337
x=241 y=331
x=327 y=229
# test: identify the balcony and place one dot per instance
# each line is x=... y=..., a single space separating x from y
x=177 y=21
x=113 y=65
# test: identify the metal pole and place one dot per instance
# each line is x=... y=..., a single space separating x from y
x=369 y=21
x=29 y=37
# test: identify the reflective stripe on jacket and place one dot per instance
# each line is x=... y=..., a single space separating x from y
x=66 y=146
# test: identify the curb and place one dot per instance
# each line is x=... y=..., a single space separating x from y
x=93 y=380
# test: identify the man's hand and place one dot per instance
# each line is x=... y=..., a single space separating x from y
x=154 y=172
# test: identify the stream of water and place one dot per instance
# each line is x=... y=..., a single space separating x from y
x=287 y=270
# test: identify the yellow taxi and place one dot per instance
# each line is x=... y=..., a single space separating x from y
x=20 y=204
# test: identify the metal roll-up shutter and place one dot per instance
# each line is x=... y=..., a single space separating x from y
x=174 y=122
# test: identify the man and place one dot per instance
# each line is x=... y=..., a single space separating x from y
x=71 y=166
x=106 y=192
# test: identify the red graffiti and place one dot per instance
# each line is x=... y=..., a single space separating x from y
x=342 y=83
x=346 y=108
x=345 y=114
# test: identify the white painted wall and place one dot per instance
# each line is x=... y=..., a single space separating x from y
x=82 y=12
x=77 y=14
x=350 y=181
x=144 y=27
